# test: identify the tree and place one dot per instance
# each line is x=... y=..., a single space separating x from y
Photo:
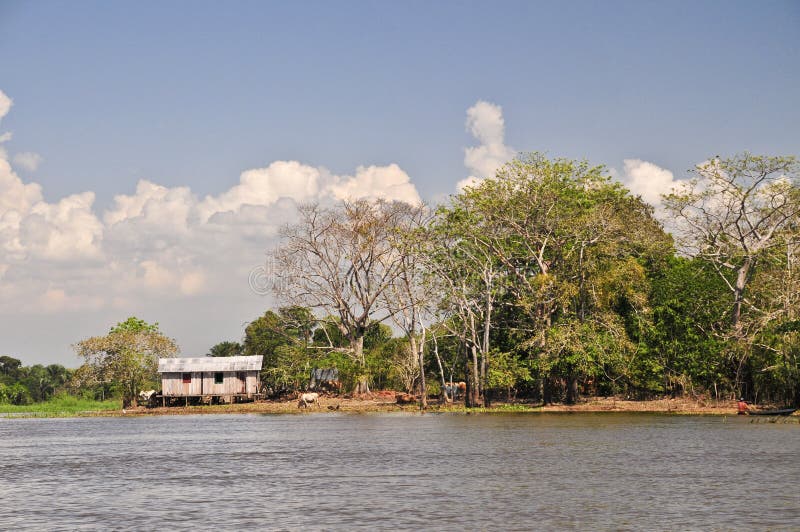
x=407 y=298
x=559 y=250
x=733 y=214
x=282 y=338
x=339 y=260
x=733 y=211
x=226 y=349
x=774 y=331
x=464 y=277
x=10 y=367
x=127 y=356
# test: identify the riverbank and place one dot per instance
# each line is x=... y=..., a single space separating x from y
x=385 y=402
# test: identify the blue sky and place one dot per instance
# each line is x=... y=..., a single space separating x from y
x=193 y=94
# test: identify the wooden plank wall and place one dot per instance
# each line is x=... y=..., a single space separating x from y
x=172 y=384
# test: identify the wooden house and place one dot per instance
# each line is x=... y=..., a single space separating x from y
x=207 y=379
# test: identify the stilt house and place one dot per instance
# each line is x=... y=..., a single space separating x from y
x=228 y=379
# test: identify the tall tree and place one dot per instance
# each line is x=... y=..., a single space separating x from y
x=339 y=260
x=464 y=274
x=407 y=298
x=733 y=214
x=733 y=211
x=553 y=239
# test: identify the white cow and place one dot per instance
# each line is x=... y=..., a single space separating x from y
x=144 y=396
x=308 y=398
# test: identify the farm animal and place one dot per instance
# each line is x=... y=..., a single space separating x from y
x=144 y=396
x=456 y=389
x=308 y=398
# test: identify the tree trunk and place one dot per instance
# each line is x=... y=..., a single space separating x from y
x=547 y=390
x=572 y=390
x=447 y=399
x=476 y=396
x=130 y=400
x=468 y=370
x=418 y=350
x=362 y=384
x=738 y=295
x=487 y=324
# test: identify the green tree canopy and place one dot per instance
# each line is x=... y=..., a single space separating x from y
x=127 y=356
x=226 y=349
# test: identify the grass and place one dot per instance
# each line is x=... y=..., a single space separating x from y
x=496 y=408
x=61 y=405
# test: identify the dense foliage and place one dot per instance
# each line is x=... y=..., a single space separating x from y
x=552 y=280
x=23 y=385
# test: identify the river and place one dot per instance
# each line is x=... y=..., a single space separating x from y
x=399 y=471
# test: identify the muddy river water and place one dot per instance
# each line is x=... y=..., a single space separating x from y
x=400 y=472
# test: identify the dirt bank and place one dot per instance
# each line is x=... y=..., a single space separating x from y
x=385 y=402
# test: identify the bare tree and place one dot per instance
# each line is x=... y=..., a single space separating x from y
x=340 y=260
x=731 y=213
x=463 y=275
x=408 y=298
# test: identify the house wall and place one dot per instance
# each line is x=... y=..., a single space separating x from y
x=202 y=383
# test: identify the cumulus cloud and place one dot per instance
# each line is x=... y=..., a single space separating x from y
x=485 y=122
x=64 y=230
x=28 y=160
x=31 y=227
x=376 y=182
x=5 y=104
x=647 y=180
x=158 y=244
x=264 y=186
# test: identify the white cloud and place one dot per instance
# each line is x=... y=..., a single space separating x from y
x=64 y=230
x=14 y=194
x=157 y=245
x=5 y=104
x=28 y=160
x=485 y=122
x=377 y=182
x=67 y=229
x=263 y=186
x=154 y=207
x=647 y=180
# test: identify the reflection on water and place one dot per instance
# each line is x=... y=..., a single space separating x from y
x=535 y=471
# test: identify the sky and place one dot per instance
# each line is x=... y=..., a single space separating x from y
x=150 y=151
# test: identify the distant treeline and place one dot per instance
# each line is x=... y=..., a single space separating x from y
x=22 y=385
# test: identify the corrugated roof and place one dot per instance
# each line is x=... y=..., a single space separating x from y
x=174 y=365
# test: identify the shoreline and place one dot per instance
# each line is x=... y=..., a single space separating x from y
x=385 y=403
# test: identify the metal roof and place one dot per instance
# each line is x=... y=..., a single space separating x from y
x=175 y=365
